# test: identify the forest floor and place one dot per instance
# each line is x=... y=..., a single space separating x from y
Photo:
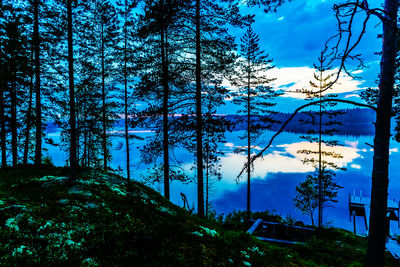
x=99 y=221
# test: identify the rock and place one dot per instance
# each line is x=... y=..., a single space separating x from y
x=55 y=181
x=91 y=205
x=63 y=201
x=75 y=190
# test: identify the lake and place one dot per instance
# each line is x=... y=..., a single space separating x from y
x=274 y=178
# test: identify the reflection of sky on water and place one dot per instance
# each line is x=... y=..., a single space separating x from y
x=285 y=159
x=275 y=176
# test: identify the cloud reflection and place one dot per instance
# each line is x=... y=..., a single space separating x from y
x=286 y=160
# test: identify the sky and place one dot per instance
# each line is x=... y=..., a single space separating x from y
x=294 y=36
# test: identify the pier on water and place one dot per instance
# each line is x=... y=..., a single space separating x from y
x=359 y=206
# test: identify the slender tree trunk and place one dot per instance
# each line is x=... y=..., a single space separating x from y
x=2 y=120
x=312 y=218
x=89 y=156
x=207 y=174
x=248 y=135
x=85 y=147
x=72 y=115
x=78 y=135
x=379 y=190
x=207 y=168
x=128 y=172
x=103 y=95
x=13 y=124
x=36 y=41
x=28 y=116
x=164 y=63
x=199 y=121
x=320 y=203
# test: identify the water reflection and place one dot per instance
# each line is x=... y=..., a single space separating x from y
x=275 y=176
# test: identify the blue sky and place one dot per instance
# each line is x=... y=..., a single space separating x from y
x=294 y=37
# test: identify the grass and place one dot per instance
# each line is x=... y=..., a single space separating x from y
x=99 y=222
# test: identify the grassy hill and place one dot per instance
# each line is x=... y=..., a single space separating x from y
x=99 y=222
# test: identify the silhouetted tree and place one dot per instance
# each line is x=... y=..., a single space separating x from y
x=72 y=110
x=88 y=88
x=254 y=94
x=158 y=38
x=15 y=71
x=2 y=91
x=108 y=37
x=127 y=59
x=38 y=105
x=345 y=14
x=322 y=124
x=210 y=48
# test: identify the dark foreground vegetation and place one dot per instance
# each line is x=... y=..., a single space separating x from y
x=98 y=221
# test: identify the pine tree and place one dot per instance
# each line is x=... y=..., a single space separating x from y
x=2 y=90
x=208 y=57
x=108 y=36
x=127 y=58
x=29 y=112
x=15 y=72
x=160 y=85
x=55 y=72
x=322 y=124
x=254 y=94
x=214 y=135
x=88 y=87
x=72 y=110
x=38 y=104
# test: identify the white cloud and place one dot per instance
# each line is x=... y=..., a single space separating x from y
x=229 y=145
x=352 y=95
x=355 y=166
x=357 y=72
x=287 y=161
x=351 y=143
x=291 y=79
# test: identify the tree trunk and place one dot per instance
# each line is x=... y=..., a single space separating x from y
x=207 y=170
x=199 y=122
x=126 y=95
x=28 y=117
x=248 y=134
x=72 y=115
x=103 y=94
x=78 y=135
x=165 y=84
x=36 y=42
x=320 y=202
x=312 y=218
x=13 y=123
x=379 y=191
x=2 y=120
x=85 y=147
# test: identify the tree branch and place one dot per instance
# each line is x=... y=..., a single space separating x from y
x=291 y=117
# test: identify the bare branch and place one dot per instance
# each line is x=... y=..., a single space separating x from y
x=291 y=117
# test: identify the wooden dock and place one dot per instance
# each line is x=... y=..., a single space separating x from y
x=393 y=247
x=359 y=205
x=289 y=234
x=279 y=232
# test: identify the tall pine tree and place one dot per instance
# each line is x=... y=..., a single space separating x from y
x=254 y=94
x=322 y=128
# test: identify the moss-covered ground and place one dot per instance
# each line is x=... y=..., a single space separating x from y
x=98 y=221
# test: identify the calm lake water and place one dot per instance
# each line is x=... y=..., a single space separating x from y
x=274 y=178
